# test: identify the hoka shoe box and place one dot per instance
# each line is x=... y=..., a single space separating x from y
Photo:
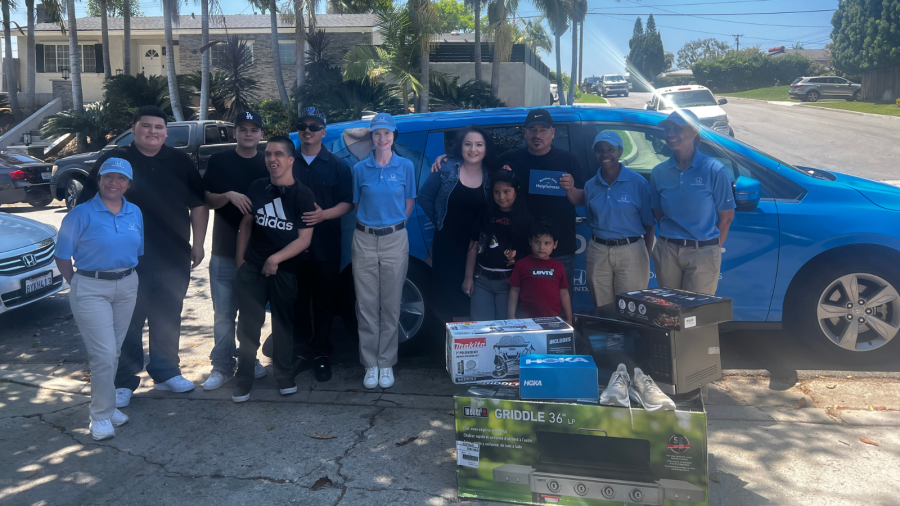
x=490 y=350
x=566 y=377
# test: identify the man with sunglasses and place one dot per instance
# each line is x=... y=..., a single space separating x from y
x=318 y=270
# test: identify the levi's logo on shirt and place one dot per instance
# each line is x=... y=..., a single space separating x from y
x=272 y=216
x=542 y=273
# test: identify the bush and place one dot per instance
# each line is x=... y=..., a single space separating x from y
x=740 y=73
x=95 y=123
x=278 y=119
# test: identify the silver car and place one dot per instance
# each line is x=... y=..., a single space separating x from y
x=28 y=271
x=811 y=89
x=612 y=84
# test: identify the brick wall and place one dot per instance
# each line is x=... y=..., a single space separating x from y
x=62 y=88
x=263 y=71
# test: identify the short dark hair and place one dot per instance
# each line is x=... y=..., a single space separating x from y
x=543 y=226
x=288 y=144
x=490 y=152
x=150 y=110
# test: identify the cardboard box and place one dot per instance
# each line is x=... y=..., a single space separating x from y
x=490 y=350
x=673 y=309
x=532 y=452
x=558 y=377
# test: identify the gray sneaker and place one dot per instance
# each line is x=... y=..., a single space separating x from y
x=647 y=394
x=616 y=392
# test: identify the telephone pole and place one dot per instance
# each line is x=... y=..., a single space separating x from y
x=737 y=40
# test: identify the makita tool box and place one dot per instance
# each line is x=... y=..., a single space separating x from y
x=560 y=377
x=490 y=350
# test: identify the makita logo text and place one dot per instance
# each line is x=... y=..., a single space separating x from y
x=561 y=340
x=470 y=344
x=562 y=360
x=533 y=383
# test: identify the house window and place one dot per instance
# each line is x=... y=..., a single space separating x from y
x=89 y=59
x=286 y=52
x=56 y=58
x=218 y=54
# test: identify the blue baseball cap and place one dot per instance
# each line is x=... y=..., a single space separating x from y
x=682 y=117
x=383 y=120
x=610 y=137
x=117 y=165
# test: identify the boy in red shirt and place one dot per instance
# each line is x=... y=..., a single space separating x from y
x=540 y=281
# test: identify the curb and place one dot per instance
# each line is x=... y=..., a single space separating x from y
x=812 y=374
x=807 y=105
x=48 y=382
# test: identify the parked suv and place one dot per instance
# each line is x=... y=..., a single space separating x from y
x=697 y=99
x=811 y=89
x=612 y=84
x=198 y=139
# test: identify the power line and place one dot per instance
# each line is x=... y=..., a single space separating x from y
x=737 y=40
x=696 y=3
x=703 y=16
x=710 y=14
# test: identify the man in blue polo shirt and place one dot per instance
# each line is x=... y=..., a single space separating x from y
x=617 y=203
x=693 y=201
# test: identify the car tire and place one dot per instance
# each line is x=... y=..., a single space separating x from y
x=826 y=291
x=73 y=190
x=626 y=93
x=813 y=96
x=730 y=132
x=854 y=98
x=41 y=203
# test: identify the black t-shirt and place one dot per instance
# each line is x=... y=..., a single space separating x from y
x=557 y=208
x=165 y=187
x=496 y=239
x=230 y=172
x=331 y=182
x=277 y=219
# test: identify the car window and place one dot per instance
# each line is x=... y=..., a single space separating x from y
x=695 y=98
x=509 y=137
x=212 y=135
x=125 y=141
x=178 y=136
x=613 y=79
x=230 y=133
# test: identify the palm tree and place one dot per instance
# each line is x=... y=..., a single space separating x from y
x=501 y=33
x=426 y=23
x=294 y=13
x=104 y=37
x=204 y=60
x=11 y=85
x=577 y=12
x=270 y=5
x=170 y=15
x=75 y=69
x=581 y=52
x=53 y=10
x=126 y=49
x=557 y=17
x=533 y=35
x=476 y=6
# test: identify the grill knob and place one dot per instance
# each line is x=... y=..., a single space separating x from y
x=636 y=495
x=581 y=489
x=553 y=485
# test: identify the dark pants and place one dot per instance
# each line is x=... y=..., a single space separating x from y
x=160 y=299
x=254 y=289
x=315 y=307
x=568 y=262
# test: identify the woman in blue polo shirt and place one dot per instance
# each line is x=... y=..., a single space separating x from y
x=105 y=237
x=384 y=192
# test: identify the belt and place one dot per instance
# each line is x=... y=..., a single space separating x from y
x=109 y=275
x=696 y=244
x=617 y=242
x=380 y=231
x=492 y=275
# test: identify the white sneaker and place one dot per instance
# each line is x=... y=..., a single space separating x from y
x=616 y=392
x=371 y=379
x=102 y=429
x=259 y=371
x=215 y=380
x=118 y=419
x=123 y=397
x=178 y=384
x=647 y=393
x=386 y=378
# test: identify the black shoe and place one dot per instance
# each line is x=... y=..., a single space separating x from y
x=300 y=364
x=322 y=369
x=287 y=387
x=240 y=393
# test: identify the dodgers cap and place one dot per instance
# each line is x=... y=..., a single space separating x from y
x=313 y=113
x=252 y=117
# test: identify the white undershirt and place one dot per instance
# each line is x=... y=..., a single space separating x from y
x=309 y=159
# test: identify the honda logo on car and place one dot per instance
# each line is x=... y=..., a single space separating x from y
x=470 y=344
x=561 y=360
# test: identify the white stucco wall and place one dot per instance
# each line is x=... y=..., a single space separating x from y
x=519 y=83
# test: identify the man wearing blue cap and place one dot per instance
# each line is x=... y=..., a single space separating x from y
x=693 y=201
x=617 y=202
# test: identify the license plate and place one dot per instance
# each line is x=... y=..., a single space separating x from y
x=36 y=283
x=46 y=176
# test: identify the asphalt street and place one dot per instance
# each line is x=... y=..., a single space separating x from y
x=861 y=145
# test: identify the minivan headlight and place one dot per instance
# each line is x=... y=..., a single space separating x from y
x=722 y=119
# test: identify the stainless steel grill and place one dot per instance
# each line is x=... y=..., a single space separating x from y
x=41 y=255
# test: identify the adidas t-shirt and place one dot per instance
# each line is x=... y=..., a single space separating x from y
x=277 y=220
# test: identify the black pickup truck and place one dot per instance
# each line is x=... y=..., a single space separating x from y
x=199 y=139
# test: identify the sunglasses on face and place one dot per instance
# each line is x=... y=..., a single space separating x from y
x=312 y=128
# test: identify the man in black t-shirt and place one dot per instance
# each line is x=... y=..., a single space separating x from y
x=269 y=240
x=318 y=272
x=227 y=179
x=168 y=190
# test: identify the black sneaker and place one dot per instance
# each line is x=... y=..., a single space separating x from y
x=322 y=369
x=241 y=393
x=287 y=388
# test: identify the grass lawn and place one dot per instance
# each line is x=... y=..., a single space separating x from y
x=869 y=107
x=590 y=99
x=771 y=93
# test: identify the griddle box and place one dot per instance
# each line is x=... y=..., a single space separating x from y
x=673 y=309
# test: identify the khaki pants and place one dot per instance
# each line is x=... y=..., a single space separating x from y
x=379 y=272
x=616 y=269
x=687 y=267
x=102 y=309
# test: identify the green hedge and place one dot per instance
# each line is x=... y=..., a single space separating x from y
x=740 y=73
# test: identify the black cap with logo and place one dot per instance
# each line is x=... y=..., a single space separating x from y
x=252 y=117
x=313 y=113
x=539 y=117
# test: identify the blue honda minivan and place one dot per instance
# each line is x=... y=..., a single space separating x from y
x=815 y=250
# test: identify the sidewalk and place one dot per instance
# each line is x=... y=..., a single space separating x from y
x=335 y=443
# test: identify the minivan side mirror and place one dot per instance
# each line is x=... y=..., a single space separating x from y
x=723 y=101
x=746 y=193
x=647 y=106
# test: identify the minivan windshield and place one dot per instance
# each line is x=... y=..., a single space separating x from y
x=696 y=98
x=613 y=79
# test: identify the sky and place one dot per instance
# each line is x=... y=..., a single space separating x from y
x=609 y=28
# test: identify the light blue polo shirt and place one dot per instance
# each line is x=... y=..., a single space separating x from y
x=690 y=198
x=619 y=210
x=98 y=240
x=381 y=192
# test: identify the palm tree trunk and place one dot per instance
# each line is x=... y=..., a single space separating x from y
x=425 y=69
x=581 y=55
x=75 y=70
x=126 y=49
x=174 y=98
x=104 y=37
x=478 y=76
x=559 y=81
x=299 y=44
x=495 y=61
x=11 y=86
x=574 y=80
x=276 y=58
x=204 y=60
x=405 y=98
x=30 y=64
